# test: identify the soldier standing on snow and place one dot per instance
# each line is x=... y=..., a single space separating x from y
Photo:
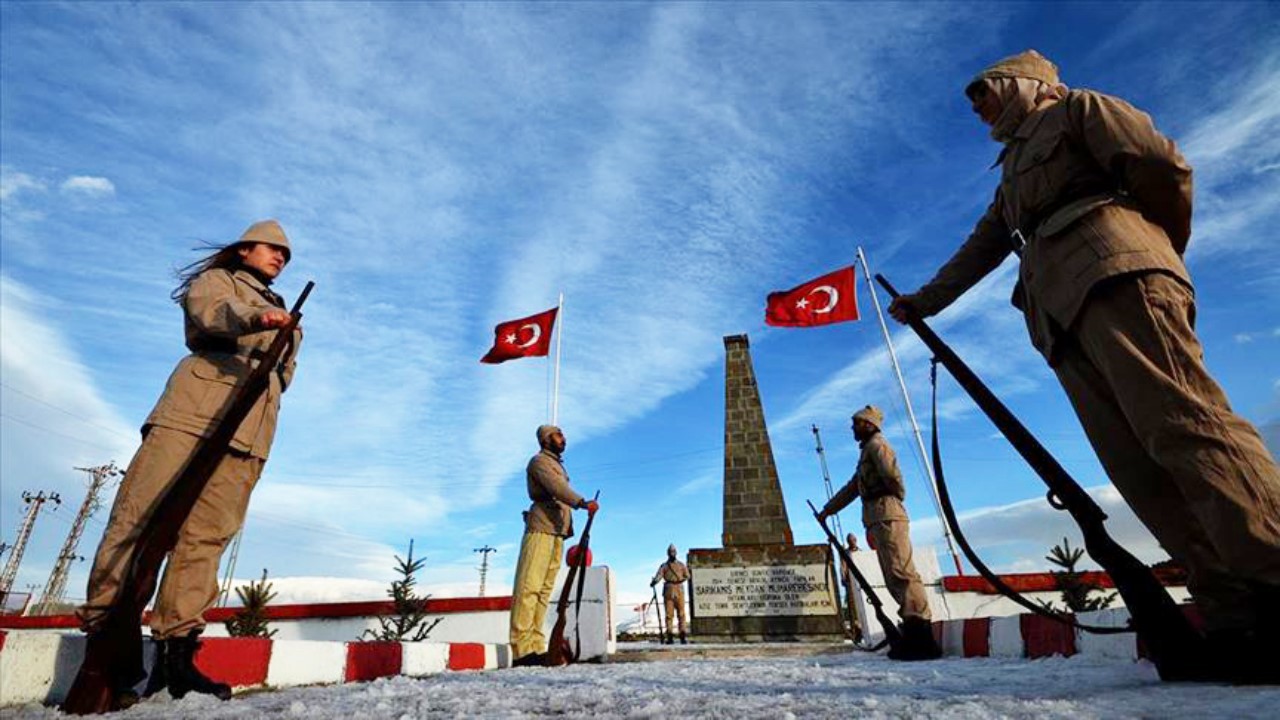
x=230 y=318
x=674 y=574
x=1098 y=205
x=878 y=482
x=547 y=522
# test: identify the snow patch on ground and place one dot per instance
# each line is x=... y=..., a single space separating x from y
x=828 y=686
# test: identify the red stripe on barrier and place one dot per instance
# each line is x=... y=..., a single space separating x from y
x=372 y=660
x=466 y=656
x=2 y=636
x=977 y=637
x=443 y=606
x=1046 y=582
x=238 y=662
x=1042 y=637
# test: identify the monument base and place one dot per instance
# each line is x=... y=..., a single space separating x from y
x=764 y=593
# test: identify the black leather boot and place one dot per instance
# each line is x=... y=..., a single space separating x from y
x=181 y=672
x=917 y=642
x=683 y=639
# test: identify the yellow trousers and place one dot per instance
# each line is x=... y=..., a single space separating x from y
x=531 y=593
x=190 y=583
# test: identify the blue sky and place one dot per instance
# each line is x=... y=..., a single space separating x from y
x=441 y=168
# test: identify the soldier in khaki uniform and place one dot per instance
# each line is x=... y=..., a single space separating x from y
x=547 y=522
x=1098 y=204
x=674 y=574
x=230 y=318
x=878 y=482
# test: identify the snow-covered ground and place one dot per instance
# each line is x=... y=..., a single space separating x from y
x=835 y=686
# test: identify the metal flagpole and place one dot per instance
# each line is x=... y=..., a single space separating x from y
x=911 y=415
x=555 y=391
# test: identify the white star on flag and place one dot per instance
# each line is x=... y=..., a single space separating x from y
x=802 y=303
x=510 y=339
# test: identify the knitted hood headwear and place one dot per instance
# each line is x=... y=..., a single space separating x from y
x=267 y=232
x=1027 y=64
x=871 y=414
x=544 y=432
x=671 y=550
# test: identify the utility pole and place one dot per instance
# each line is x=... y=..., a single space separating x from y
x=34 y=503
x=56 y=588
x=225 y=592
x=484 y=564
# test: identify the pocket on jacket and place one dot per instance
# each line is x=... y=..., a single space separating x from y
x=217 y=382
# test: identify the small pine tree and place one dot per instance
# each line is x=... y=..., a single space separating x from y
x=409 y=621
x=1071 y=583
x=251 y=619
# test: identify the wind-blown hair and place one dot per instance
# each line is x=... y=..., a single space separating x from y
x=220 y=256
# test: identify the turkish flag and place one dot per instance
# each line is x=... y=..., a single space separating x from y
x=822 y=301
x=526 y=337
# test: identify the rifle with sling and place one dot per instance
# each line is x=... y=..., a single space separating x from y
x=892 y=636
x=558 y=650
x=1174 y=646
x=113 y=653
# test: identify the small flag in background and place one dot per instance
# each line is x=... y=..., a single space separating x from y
x=822 y=301
x=526 y=337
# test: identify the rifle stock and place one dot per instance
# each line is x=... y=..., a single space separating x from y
x=113 y=653
x=558 y=650
x=1168 y=634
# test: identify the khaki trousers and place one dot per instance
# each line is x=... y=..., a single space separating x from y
x=531 y=593
x=190 y=583
x=673 y=600
x=1196 y=474
x=893 y=550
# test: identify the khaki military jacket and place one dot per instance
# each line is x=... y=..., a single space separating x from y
x=878 y=481
x=553 y=498
x=672 y=572
x=1096 y=192
x=221 y=307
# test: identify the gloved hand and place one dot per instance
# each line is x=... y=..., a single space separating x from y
x=591 y=506
x=652 y=583
x=905 y=307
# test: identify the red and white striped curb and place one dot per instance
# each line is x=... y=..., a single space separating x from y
x=40 y=666
x=1034 y=636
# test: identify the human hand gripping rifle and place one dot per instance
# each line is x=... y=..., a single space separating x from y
x=559 y=651
x=113 y=653
x=1175 y=647
x=891 y=634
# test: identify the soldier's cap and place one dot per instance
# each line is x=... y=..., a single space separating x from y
x=1026 y=64
x=871 y=414
x=544 y=432
x=267 y=232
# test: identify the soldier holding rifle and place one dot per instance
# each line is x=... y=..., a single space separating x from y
x=231 y=316
x=547 y=522
x=1097 y=203
x=673 y=574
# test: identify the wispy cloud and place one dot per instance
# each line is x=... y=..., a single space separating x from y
x=13 y=182
x=88 y=185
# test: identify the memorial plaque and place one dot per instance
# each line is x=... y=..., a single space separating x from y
x=763 y=590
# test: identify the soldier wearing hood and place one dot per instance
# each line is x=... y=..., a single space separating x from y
x=547 y=522
x=1098 y=205
x=878 y=482
x=231 y=316
x=674 y=574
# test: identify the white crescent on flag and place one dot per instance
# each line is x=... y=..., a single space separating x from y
x=537 y=333
x=833 y=297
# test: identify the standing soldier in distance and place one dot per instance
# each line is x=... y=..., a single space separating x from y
x=878 y=482
x=230 y=318
x=850 y=582
x=1098 y=204
x=547 y=522
x=674 y=574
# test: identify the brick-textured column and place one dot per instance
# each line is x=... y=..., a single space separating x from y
x=754 y=513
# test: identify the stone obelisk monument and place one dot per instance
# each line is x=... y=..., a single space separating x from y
x=760 y=586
